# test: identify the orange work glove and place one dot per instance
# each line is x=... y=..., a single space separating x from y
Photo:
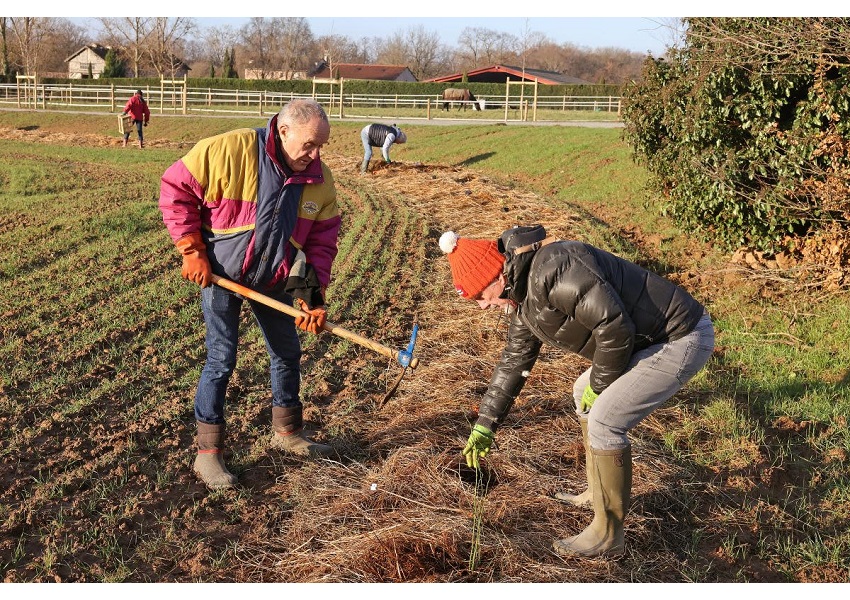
x=196 y=265
x=314 y=319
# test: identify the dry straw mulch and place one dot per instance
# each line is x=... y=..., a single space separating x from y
x=405 y=508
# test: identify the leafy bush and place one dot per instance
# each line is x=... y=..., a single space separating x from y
x=745 y=128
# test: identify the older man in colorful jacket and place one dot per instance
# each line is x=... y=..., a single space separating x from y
x=259 y=207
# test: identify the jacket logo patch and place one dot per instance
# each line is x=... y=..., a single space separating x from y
x=311 y=208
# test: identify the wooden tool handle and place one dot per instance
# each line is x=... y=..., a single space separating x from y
x=294 y=312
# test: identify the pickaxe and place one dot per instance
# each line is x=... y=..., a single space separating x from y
x=404 y=358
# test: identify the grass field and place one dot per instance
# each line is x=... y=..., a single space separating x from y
x=741 y=477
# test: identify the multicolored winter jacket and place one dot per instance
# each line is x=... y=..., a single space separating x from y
x=252 y=216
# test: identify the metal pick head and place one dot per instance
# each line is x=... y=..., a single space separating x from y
x=405 y=356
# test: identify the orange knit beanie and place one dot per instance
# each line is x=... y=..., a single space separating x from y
x=475 y=264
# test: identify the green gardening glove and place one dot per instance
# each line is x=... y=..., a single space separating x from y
x=478 y=445
x=587 y=399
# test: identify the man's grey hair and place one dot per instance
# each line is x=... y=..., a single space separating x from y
x=300 y=111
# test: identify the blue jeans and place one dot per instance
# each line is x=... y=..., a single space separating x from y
x=139 y=128
x=221 y=310
x=654 y=374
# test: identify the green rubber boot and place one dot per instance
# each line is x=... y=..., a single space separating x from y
x=586 y=497
x=209 y=463
x=612 y=486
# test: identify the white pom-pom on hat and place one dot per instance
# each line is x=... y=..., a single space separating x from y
x=448 y=242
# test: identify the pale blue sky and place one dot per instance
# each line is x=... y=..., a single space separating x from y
x=640 y=34
x=592 y=25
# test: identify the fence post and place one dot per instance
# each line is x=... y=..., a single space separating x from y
x=341 y=103
x=111 y=97
x=534 y=117
x=507 y=96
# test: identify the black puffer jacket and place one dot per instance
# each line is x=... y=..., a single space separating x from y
x=588 y=301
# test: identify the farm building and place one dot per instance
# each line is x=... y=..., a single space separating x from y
x=88 y=59
x=93 y=57
x=359 y=71
x=275 y=75
x=500 y=74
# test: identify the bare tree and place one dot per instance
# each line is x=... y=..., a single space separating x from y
x=295 y=44
x=208 y=47
x=165 y=40
x=130 y=34
x=391 y=50
x=5 y=67
x=369 y=47
x=277 y=44
x=336 y=49
x=669 y=30
x=776 y=42
x=548 y=56
x=418 y=49
x=258 y=40
x=426 y=52
x=482 y=47
x=65 y=38
x=30 y=35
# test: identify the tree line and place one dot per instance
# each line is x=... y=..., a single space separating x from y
x=155 y=46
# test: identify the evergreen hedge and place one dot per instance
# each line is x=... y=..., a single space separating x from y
x=354 y=86
x=745 y=129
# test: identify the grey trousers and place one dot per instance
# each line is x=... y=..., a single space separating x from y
x=367 y=149
x=652 y=377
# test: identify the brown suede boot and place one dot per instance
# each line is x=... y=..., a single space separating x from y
x=290 y=435
x=612 y=487
x=209 y=463
x=586 y=497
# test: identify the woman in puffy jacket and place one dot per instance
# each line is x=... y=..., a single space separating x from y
x=645 y=336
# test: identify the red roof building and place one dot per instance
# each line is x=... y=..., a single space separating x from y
x=358 y=71
x=500 y=74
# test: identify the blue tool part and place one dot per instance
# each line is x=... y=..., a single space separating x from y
x=404 y=356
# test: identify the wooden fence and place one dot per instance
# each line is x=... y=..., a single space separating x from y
x=174 y=97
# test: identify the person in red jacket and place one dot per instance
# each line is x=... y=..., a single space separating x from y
x=140 y=114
